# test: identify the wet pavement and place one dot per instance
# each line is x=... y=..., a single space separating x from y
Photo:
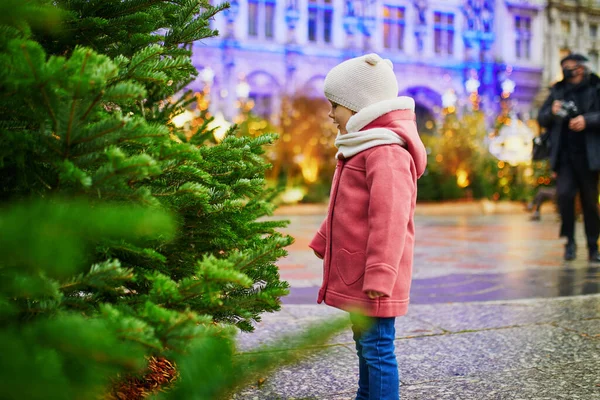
x=465 y=258
x=495 y=314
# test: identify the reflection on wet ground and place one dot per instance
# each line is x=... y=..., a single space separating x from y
x=510 y=286
x=466 y=258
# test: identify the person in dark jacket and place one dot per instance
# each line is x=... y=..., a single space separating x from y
x=571 y=115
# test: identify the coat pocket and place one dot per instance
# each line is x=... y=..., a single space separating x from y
x=350 y=266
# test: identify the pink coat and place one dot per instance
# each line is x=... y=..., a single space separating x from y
x=367 y=239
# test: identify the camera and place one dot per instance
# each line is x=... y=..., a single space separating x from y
x=568 y=109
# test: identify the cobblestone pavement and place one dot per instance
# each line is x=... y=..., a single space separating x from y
x=495 y=314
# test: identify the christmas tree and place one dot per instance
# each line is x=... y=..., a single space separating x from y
x=85 y=113
x=50 y=351
x=456 y=158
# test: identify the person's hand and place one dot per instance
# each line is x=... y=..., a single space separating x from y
x=556 y=106
x=577 y=124
x=373 y=294
x=318 y=255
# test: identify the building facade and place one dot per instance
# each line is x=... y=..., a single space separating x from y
x=442 y=50
x=570 y=26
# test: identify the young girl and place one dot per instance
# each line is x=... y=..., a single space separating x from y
x=367 y=239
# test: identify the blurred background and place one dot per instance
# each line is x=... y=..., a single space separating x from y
x=477 y=69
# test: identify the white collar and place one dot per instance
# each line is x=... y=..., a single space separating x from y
x=374 y=111
x=353 y=143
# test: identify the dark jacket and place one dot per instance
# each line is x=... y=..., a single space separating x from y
x=589 y=107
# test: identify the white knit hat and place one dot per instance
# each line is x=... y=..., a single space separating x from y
x=359 y=82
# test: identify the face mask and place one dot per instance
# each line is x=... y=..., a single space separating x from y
x=568 y=73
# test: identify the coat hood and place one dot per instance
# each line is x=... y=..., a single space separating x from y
x=398 y=116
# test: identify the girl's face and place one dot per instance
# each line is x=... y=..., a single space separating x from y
x=340 y=116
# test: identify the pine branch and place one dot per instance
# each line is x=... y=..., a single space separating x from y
x=42 y=88
x=103 y=276
x=76 y=95
x=92 y=106
x=112 y=129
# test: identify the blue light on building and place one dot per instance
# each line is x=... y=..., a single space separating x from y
x=286 y=47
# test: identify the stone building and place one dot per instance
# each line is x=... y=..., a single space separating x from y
x=570 y=26
x=443 y=50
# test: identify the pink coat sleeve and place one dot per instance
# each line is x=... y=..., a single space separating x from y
x=319 y=240
x=391 y=184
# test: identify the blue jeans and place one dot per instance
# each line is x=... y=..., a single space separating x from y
x=377 y=365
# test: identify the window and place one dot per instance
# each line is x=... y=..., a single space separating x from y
x=565 y=27
x=523 y=37
x=253 y=18
x=594 y=30
x=563 y=52
x=443 y=25
x=269 y=18
x=261 y=13
x=394 y=21
x=320 y=19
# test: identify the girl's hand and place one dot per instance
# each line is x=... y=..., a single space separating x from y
x=373 y=294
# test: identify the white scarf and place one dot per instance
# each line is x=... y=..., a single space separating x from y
x=355 y=142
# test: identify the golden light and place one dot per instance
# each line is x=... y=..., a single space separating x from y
x=292 y=195
x=181 y=119
x=429 y=124
x=462 y=178
x=220 y=126
x=287 y=137
x=249 y=105
x=513 y=143
x=310 y=169
x=203 y=105
x=439 y=158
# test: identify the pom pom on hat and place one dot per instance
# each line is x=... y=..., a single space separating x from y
x=372 y=59
x=359 y=82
